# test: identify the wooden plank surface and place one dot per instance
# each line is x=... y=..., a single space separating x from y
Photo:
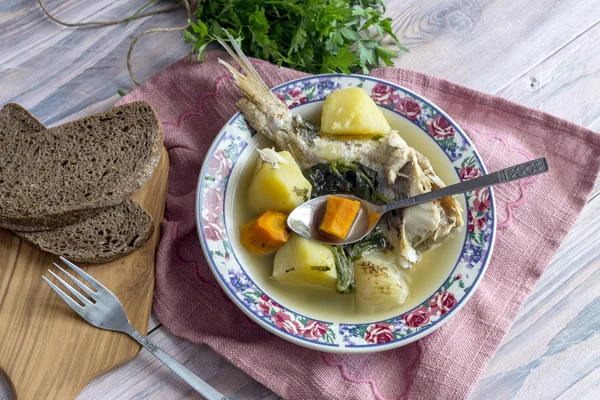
x=146 y=378
x=61 y=73
x=487 y=44
x=541 y=53
x=566 y=83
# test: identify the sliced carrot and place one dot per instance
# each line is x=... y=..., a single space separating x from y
x=339 y=216
x=265 y=233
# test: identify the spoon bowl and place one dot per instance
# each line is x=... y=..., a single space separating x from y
x=305 y=220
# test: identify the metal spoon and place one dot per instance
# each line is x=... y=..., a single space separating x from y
x=305 y=219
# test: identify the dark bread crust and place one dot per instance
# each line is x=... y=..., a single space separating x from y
x=54 y=177
x=108 y=235
x=19 y=120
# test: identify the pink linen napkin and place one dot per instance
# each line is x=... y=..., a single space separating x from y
x=195 y=100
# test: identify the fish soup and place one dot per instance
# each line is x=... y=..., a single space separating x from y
x=319 y=299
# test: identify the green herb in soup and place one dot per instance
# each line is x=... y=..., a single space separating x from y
x=361 y=181
x=344 y=177
x=374 y=241
x=345 y=255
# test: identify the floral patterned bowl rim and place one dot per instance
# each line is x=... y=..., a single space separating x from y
x=212 y=213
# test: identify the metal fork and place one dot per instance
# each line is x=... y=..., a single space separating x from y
x=106 y=312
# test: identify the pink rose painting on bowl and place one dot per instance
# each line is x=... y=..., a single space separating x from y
x=442 y=302
x=379 y=333
x=476 y=223
x=467 y=173
x=287 y=322
x=482 y=201
x=315 y=329
x=383 y=95
x=440 y=128
x=213 y=227
x=417 y=317
x=220 y=164
x=408 y=107
x=297 y=96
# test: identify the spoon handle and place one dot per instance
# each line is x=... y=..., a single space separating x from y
x=513 y=173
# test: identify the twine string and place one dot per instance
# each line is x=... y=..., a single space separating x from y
x=189 y=5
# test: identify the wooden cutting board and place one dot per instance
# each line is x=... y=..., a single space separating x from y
x=46 y=349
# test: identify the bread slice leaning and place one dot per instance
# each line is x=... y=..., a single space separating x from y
x=112 y=233
x=57 y=176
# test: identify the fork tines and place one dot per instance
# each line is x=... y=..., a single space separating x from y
x=84 y=300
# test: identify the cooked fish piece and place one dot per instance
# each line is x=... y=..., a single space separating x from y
x=402 y=171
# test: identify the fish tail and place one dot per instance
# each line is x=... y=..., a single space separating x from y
x=249 y=81
x=260 y=107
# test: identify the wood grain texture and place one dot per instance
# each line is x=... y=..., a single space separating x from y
x=43 y=339
x=561 y=84
x=486 y=44
x=154 y=323
x=541 y=53
x=146 y=378
x=63 y=73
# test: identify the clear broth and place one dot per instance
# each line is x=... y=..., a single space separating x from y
x=423 y=279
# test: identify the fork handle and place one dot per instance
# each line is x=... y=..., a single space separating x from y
x=201 y=387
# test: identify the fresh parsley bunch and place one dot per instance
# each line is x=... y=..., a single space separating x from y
x=315 y=36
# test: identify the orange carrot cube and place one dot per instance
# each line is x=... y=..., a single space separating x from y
x=339 y=216
x=265 y=233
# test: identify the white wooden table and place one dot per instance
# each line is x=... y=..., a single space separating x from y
x=541 y=53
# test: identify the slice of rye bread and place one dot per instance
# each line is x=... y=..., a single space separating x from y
x=17 y=120
x=110 y=234
x=106 y=236
x=58 y=176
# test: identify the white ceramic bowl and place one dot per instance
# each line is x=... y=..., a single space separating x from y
x=424 y=126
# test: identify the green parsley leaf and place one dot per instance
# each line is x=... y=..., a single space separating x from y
x=309 y=35
x=340 y=61
x=298 y=40
x=367 y=54
x=189 y=37
x=349 y=33
x=386 y=55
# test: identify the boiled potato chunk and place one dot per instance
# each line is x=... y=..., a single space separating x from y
x=277 y=184
x=379 y=285
x=352 y=112
x=301 y=260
